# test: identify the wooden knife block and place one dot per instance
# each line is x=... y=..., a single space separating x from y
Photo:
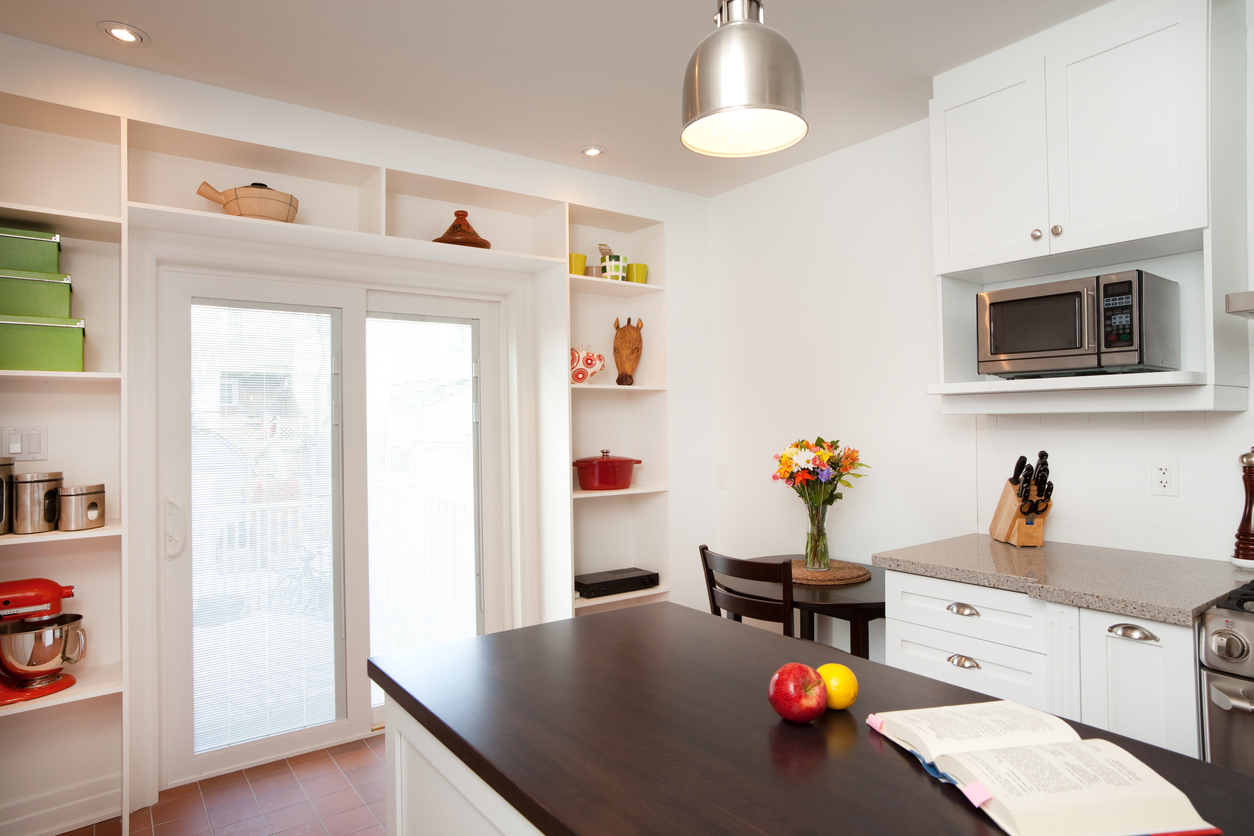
x=1011 y=526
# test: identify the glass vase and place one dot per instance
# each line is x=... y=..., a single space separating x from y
x=817 y=557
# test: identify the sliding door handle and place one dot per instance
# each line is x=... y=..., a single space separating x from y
x=175 y=528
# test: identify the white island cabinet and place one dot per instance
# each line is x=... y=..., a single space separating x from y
x=1128 y=675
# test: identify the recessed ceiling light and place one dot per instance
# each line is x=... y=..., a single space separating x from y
x=592 y=150
x=123 y=32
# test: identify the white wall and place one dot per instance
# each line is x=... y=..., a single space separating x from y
x=825 y=323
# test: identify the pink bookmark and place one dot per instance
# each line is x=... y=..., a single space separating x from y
x=875 y=722
x=976 y=793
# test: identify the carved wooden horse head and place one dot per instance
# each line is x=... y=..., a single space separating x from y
x=627 y=346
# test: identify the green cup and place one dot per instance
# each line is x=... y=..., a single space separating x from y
x=638 y=273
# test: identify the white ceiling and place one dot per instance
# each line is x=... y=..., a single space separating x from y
x=543 y=78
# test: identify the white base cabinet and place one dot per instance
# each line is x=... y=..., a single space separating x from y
x=1131 y=676
x=1139 y=678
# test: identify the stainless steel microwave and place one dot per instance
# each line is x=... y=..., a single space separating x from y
x=1119 y=322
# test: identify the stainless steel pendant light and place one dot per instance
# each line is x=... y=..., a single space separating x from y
x=743 y=93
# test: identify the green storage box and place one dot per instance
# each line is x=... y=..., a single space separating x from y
x=24 y=293
x=43 y=343
x=22 y=249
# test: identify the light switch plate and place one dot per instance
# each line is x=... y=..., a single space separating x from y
x=24 y=444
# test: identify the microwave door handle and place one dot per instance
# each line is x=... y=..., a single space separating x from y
x=1090 y=319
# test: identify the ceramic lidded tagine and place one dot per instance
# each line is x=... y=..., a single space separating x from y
x=253 y=201
x=461 y=232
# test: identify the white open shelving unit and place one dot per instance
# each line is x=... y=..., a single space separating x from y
x=114 y=181
x=622 y=528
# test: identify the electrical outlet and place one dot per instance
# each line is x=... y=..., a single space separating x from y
x=24 y=444
x=720 y=476
x=1164 y=476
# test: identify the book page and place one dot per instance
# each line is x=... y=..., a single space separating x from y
x=964 y=728
x=1082 y=788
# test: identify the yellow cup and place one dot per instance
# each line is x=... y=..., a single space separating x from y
x=577 y=262
x=638 y=273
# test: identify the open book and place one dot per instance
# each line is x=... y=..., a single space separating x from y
x=1034 y=776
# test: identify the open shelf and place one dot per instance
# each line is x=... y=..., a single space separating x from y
x=195 y=222
x=611 y=287
x=1070 y=384
x=111 y=528
x=90 y=682
x=581 y=494
x=67 y=224
x=581 y=603
x=60 y=377
x=613 y=387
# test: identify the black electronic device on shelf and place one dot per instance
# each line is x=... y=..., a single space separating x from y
x=596 y=584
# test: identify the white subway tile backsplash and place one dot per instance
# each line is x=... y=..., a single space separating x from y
x=1065 y=421
x=1099 y=464
x=1120 y=512
x=1175 y=420
x=1143 y=538
x=1018 y=422
x=1117 y=420
x=1093 y=533
x=1179 y=517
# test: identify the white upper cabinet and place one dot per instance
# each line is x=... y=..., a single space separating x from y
x=1127 y=131
x=1090 y=134
x=989 y=181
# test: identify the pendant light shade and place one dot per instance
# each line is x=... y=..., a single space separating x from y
x=743 y=93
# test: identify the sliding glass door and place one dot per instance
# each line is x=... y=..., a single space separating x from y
x=422 y=442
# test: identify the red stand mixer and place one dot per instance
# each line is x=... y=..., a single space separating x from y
x=34 y=635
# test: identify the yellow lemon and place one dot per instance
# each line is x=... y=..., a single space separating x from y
x=842 y=685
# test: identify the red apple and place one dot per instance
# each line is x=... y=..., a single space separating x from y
x=797 y=693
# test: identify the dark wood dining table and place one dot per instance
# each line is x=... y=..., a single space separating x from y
x=858 y=603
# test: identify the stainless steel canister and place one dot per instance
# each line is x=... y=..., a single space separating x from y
x=35 y=502
x=6 y=495
x=82 y=507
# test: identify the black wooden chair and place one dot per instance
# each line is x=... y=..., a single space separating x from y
x=740 y=604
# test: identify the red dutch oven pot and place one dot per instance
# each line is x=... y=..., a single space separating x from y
x=605 y=472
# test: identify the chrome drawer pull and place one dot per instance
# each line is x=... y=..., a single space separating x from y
x=1230 y=698
x=963 y=609
x=1132 y=631
x=963 y=662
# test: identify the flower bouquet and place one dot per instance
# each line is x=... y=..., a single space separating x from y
x=815 y=470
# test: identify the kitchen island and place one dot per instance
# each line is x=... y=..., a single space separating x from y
x=654 y=719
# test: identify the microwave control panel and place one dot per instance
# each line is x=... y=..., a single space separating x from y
x=1117 y=310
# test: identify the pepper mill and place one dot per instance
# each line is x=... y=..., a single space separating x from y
x=1244 y=554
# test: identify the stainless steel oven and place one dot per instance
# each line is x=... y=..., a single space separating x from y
x=1227 y=662
x=1118 y=322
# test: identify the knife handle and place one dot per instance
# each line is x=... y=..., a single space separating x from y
x=1019 y=465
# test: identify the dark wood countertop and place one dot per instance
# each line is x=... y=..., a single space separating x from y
x=654 y=719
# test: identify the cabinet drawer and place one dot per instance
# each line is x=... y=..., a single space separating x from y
x=1005 y=672
x=995 y=615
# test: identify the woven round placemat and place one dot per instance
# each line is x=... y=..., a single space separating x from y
x=839 y=572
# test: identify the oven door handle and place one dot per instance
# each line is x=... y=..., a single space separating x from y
x=1230 y=698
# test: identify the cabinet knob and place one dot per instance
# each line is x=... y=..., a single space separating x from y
x=960 y=661
x=963 y=609
x=1036 y=235
x=1056 y=229
x=1132 y=631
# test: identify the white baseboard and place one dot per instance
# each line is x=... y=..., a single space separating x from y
x=64 y=808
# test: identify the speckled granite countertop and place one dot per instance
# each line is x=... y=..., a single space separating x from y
x=1160 y=587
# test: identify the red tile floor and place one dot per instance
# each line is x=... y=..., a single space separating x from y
x=330 y=792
